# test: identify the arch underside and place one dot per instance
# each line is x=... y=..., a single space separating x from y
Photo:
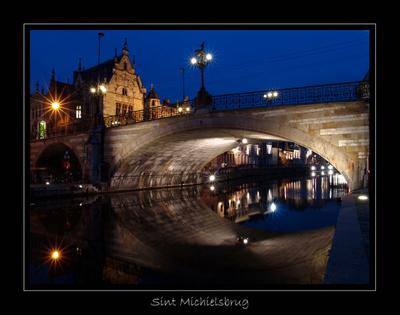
x=174 y=151
x=178 y=158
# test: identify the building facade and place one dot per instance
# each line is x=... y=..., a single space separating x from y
x=77 y=104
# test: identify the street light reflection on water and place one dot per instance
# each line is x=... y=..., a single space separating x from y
x=188 y=236
x=284 y=205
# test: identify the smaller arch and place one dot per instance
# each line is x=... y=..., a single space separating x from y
x=49 y=164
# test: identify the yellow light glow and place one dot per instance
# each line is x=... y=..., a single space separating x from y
x=55 y=105
x=193 y=61
x=362 y=197
x=55 y=255
x=102 y=88
x=208 y=56
x=93 y=90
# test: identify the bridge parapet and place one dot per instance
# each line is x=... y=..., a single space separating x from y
x=349 y=91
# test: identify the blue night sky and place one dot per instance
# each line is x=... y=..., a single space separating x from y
x=243 y=60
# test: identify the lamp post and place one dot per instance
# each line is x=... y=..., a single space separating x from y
x=183 y=84
x=270 y=96
x=97 y=92
x=201 y=61
x=55 y=106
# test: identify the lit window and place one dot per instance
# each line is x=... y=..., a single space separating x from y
x=78 y=111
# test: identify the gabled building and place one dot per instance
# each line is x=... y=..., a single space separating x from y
x=77 y=104
x=124 y=88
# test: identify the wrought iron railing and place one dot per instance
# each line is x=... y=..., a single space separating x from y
x=53 y=131
x=303 y=95
x=294 y=96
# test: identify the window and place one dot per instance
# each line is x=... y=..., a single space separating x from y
x=117 y=109
x=78 y=111
x=124 y=91
x=42 y=127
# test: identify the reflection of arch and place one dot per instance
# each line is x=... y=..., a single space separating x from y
x=202 y=246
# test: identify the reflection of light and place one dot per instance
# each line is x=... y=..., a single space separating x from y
x=236 y=150
x=362 y=197
x=212 y=188
x=102 y=88
x=243 y=240
x=273 y=207
x=313 y=174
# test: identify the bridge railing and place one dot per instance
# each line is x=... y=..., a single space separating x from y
x=293 y=96
x=303 y=95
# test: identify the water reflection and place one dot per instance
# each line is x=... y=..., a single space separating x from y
x=276 y=204
x=170 y=237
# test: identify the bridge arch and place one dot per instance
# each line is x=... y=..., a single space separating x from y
x=173 y=151
x=48 y=161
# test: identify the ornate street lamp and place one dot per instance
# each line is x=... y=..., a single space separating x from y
x=201 y=61
x=270 y=96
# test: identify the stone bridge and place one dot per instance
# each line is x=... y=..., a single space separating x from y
x=173 y=151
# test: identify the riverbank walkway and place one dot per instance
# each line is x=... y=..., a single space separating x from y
x=349 y=258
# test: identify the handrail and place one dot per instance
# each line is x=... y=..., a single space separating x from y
x=348 y=91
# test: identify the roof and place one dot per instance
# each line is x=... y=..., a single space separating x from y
x=152 y=93
x=105 y=71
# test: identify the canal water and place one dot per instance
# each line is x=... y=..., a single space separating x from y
x=187 y=236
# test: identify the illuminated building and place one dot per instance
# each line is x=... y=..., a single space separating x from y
x=123 y=93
